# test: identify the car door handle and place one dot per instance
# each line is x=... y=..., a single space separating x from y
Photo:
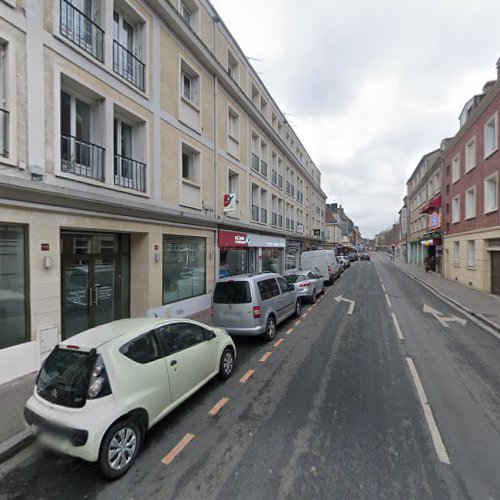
x=173 y=362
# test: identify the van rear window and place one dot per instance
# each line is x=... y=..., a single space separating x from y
x=232 y=292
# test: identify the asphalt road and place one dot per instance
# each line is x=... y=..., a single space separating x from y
x=333 y=412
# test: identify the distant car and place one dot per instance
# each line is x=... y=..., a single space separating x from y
x=98 y=392
x=254 y=304
x=307 y=283
x=364 y=256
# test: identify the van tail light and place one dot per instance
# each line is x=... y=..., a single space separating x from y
x=304 y=284
x=257 y=312
x=99 y=383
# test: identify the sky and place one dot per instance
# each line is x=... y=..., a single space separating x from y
x=369 y=86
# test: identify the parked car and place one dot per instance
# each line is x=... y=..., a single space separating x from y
x=341 y=262
x=98 y=392
x=325 y=261
x=307 y=283
x=254 y=304
x=346 y=261
x=364 y=256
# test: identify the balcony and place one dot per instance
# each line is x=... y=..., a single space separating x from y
x=255 y=162
x=287 y=187
x=255 y=213
x=81 y=30
x=4 y=133
x=263 y=215
x=274 y=177
x=82 y=158
x=280 y=181
x=263 y=168
x=128 y=66
x=130 y=173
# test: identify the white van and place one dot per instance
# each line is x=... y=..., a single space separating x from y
x=325 y=261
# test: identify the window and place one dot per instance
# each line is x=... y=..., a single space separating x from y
x=233 y=187
x=233 y=124
x=190 y=14
x=232 y=292
x=268 y=289
x=491 y=194
x=455 y=209
x=4 y=113
x=190 y=164
x=127 y=48
x=233 y=68
x=456 y=253
x=490 y=135
x=79 y=125
x=255 y=95
x=470 y=203
x=471 y=253
x=263 y=106
x=13 y=280
x=184 y=274
x=128 y=171
x=179 y=336
x=455 y=169
x=190 y=85
x=470 y=154
x=143 y=349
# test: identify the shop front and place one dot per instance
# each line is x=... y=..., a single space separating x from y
x=241 y=253
x=292 y=254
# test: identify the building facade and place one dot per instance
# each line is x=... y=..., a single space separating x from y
x=141 y=157
x=472 y=218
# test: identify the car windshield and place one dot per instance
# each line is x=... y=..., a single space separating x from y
x=64 y=377
x=295 y=278
x=232 y=292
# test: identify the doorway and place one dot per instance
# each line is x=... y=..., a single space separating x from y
x=495 y=273
x=95 y=280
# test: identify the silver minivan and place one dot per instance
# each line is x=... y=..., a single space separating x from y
x=253 y=304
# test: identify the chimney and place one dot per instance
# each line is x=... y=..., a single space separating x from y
x=488 y=85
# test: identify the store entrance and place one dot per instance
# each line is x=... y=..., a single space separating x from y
x=495 y=273
x=95 y=280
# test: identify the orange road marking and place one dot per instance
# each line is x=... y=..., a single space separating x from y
x=289 y=331
x=247 y=375
x=298 y=322
x=309 y=309
x=278 y=342
x=265 y=357
x=218 y=406
x=178 y=448
x=305 y=315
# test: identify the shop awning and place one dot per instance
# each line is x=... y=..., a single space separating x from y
x=432 y=205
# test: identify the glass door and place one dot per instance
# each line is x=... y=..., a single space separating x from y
x=76 y=297
x=103 y=296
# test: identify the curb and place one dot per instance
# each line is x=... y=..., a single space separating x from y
x=15 y=444
x=479 y=316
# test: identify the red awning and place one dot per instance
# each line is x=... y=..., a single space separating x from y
x=432 y=205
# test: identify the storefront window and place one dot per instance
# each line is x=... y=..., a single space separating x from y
x=13 y=306
x=233 y=261
x=291 y=258
x=272 y=259
x=184 y=270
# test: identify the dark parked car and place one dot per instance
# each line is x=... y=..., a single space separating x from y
x=364 y=256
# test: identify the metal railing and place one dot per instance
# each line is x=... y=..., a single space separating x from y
x=280 y=221
x=81 y=30
x=130 y=173
x=255 y=212
x=255 y=162
x=287 y=223
x=292 y=191
x=4 y=133
x=287 y=187
x=274 y=219
x=274 y=176
x=280 y=181
x=263 y=168
x=263 y=215
x=128 y=66
x=82 y=158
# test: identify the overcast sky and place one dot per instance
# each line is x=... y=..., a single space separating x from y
x=371 y=86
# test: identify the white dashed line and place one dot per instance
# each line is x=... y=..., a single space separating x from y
x=398 y=328
x=388 y=300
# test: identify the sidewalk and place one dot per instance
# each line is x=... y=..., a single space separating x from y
x=13 y=397
x=481 y=305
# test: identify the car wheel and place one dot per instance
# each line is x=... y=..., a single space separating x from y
x=226 y=366
x=270 y=332
x=313 y=298
x=119 y=448
x=298 y=308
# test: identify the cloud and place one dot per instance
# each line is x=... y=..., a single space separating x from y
x=374 y=85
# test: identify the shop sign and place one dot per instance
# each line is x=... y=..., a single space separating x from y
x=233 y=239
x=427 y=243
x=259 y=240
x=317 y=232
x=230 y=202
x=434 y=220
x=293 y=244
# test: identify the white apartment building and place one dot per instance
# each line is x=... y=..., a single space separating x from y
x=141 y=157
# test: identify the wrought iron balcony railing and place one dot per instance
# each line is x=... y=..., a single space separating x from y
x=255 y=162
x=280 y=221
x=255 y=213
x=128 y=65
x=4 y=133
x=82 y=158
x=263 y=215
x=263 y=168
x=130 y=173
x=81 y=30
x=274 y=176
x=274 y=219
x=280 y=181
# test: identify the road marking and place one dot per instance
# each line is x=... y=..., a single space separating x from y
x=442 y=319
x=436 y=436
x=305 y=315
x=218 y=406
x=289 y=331
x=265 y=357
x=309 y=308
x=169 y=457
x=383 y=287
x=388 y=300
x=278 y=342
x=298 y=322
x=247 y=375
x=398 y=328
x=351 y=303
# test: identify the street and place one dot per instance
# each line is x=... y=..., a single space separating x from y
x=334 y=411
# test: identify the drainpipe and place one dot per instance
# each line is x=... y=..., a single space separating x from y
x=215 y=177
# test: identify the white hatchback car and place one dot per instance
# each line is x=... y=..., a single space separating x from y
x=98 y=392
